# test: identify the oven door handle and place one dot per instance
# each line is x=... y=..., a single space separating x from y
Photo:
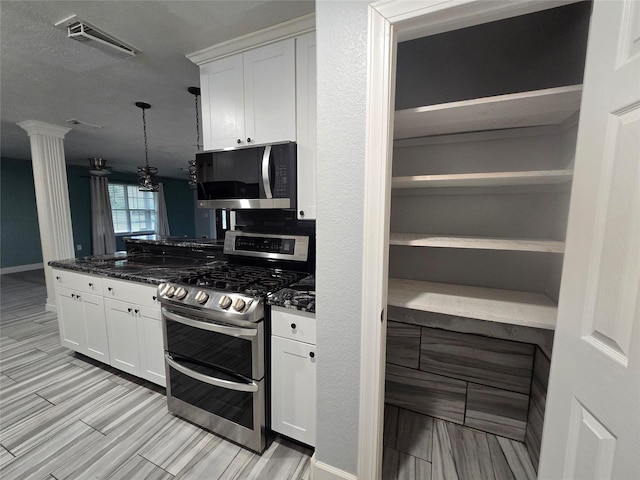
x=216 y=382
x=213 y=327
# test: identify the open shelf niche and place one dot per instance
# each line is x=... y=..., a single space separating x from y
x=522 y=130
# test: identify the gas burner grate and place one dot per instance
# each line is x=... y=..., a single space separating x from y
x=250 y=280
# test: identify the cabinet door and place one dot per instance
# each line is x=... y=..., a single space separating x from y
x=123 y=336
x=306 y=124
x=96 y=327
x=293 y=397
x=151 y=345
x=270 y=93
x=222 y=103
x=71 y=320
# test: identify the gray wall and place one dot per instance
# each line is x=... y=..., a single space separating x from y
x=341 y=32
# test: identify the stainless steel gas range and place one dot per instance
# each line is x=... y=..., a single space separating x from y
x=214 y=334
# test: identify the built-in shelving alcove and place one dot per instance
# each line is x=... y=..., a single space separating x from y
x=484 y=143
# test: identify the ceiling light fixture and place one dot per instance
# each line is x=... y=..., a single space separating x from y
x=193 y=175
x=147 y=176
x=98 y=167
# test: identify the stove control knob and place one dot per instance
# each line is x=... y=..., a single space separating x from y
x=224 y=302
x=238 y=304
x=181 y=293
x=170 y=291
x=201 y=297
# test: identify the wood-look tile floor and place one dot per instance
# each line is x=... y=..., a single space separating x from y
x=65 y=416
x=424 y=448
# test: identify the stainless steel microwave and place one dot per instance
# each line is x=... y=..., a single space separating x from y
x=255 y=177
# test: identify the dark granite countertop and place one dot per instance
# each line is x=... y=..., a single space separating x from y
x=299 y=296
x=143 y=268
x=206 y=243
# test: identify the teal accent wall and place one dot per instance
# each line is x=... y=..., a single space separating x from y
x=19 y=231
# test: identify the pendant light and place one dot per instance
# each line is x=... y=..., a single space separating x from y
x=147 y=176
x=193 y=175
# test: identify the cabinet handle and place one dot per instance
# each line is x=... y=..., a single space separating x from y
x=302 y=213
x=73 y=295
x=57 y=278
x=312 y=355
x=129 y=310
x=248 y=139
x=110 y=289
x=293 y=326
x=239 y=141
x=137 y=311
x=91 y=284
x=154 y=298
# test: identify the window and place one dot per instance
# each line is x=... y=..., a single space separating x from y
x=133 y=211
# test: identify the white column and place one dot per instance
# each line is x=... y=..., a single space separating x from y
x=52 y=196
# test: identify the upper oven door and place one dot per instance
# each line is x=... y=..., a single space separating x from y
x=257 y=177
x=236 y=350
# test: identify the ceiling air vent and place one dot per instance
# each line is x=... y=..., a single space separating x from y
x=78 y=29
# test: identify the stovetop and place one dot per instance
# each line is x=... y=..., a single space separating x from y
x=246 y=279
x=226 y=291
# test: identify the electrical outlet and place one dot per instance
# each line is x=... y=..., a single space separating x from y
x=78 y=247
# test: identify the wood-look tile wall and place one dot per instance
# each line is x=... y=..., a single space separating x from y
x=537 y=404
x=469 y=379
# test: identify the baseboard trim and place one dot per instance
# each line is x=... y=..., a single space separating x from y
x=322 y=471
x=21 y=268
x=51 y=307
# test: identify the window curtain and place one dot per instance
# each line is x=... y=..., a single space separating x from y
x=163 y=219
x=104 y=240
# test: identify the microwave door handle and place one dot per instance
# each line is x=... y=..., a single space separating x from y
x=266 y=163
x=212 y=327
x=217 y=382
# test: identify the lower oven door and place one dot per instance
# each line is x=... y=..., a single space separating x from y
x=230 y=406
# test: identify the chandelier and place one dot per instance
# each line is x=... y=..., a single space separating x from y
x=147 y=176
x=193 y=175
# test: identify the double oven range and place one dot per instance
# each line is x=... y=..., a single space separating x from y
x=216 y=332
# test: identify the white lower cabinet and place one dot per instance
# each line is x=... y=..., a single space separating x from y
x=82 y=323
x=118 y=323
x=122 y=319
x=151 y=345
x=293 y=378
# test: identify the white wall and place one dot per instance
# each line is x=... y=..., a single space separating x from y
x=341 y=32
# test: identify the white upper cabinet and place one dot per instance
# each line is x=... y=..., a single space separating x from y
x=306 y=109
x=270 y=93
x=222 y=102
x=249 y=98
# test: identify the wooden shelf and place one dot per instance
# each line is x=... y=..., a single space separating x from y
x=488 y=179
x=504 y=306
x=550 y=106
x=481 y=243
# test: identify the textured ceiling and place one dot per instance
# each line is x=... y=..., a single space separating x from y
x=47 y=77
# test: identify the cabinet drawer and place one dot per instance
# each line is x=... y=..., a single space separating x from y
x=82 y=282
x=293 y=324
x=131 y=292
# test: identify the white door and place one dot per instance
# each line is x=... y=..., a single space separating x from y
x=592 y=423
x=96 y=327
x=270 y=93
x=293 y=397
x=123 y=336
x=222 y=103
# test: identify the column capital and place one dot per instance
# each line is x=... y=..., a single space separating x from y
x=34 y=127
